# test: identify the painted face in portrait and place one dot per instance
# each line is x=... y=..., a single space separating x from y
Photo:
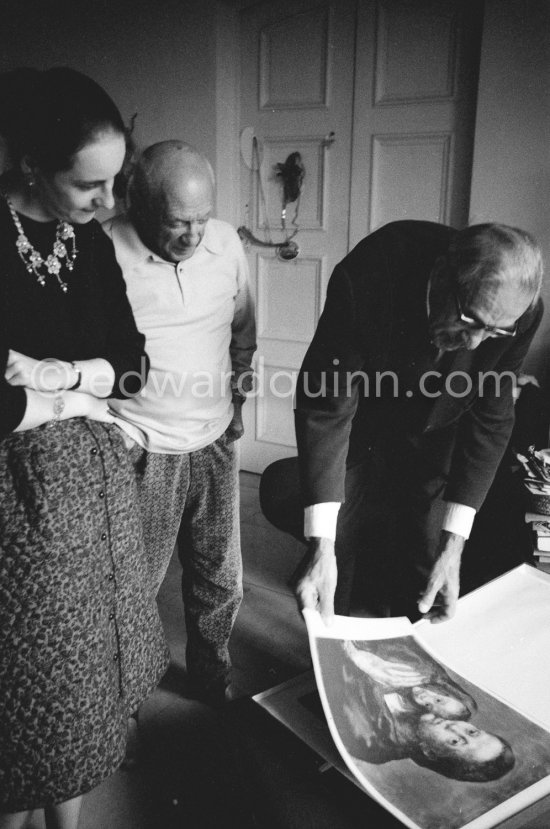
x=436 y=702
x=455 y=738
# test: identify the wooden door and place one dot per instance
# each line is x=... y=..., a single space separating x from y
x=378 y=97
x=296 y=94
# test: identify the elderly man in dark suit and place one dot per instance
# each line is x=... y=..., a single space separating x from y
x=404 y=409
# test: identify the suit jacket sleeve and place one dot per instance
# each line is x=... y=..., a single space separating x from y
x=484 y=431
x=327 y=394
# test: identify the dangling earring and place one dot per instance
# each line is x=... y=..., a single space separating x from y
x=27 y=170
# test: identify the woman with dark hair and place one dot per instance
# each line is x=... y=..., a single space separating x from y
x=410 y=679
x=460 y=750
x=400 y=703
x=81 y=644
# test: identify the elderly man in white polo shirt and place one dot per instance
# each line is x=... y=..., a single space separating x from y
x=187 y=281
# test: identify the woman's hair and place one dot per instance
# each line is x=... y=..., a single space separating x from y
x=48 y=116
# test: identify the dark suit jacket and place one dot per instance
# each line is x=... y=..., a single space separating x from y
x=375 y=321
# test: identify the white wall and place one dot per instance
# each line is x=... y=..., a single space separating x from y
x=511 y=170
x=154 y=57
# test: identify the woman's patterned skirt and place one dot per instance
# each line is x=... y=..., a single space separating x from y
x=81 y=643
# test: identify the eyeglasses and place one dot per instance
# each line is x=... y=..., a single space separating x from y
x=476 y=325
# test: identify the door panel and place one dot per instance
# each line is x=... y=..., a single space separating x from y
x=296 y=89
x=312 y=210
x=410 y=178
x=294 y=42
x=414 y=111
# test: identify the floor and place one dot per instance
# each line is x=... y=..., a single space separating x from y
x=187 y=753
x=204 y=769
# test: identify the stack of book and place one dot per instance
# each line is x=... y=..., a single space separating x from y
x=537 y=484
x=540 y=527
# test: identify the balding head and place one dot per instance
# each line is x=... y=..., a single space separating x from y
x=171 y=196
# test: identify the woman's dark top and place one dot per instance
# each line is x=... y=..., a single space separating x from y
x=92 y=319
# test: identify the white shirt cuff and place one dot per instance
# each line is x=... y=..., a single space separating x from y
x=320 y=520
x=458 y=519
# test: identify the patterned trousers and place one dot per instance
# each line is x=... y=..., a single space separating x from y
x=194 y=499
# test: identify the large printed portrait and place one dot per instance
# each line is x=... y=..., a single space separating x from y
x=434 y=748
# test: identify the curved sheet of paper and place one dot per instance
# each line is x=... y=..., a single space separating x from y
x=500 y=639
x=380 y=728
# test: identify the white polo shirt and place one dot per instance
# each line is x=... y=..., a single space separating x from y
x=198 y=320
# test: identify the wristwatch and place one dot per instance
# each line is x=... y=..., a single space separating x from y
x=78 y=381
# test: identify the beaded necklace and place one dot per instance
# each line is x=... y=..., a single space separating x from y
x=59 y=257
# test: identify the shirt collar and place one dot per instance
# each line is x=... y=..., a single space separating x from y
x=140 y=252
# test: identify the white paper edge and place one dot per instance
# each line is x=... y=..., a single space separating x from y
x=523 y=571
x=345 y=627
x=316 y=627
x=350 y=627
x=331 y=755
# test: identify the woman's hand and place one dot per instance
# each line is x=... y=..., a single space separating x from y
x=40 y=375
x=96 y=408
x=391 y=674
x=41 y=408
